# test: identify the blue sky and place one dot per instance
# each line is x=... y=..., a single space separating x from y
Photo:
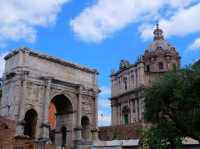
x=99 y=33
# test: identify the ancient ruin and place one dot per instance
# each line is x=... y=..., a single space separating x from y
x=51 y=100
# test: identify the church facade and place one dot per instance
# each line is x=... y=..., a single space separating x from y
x=129 y=81
x=51 y=100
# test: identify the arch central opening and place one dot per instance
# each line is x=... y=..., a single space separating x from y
x=60 y=119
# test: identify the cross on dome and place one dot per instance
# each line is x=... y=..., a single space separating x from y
x=158 y=33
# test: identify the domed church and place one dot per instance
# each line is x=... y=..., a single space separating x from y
x=130 y=80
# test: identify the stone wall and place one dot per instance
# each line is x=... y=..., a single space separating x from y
x=9 y=141
x=120 y=132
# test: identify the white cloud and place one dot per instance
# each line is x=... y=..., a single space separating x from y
x=104 y=119
x=180 y=3
x=2 y=62
x=195 y=45
x=97 y=22
x=184 y=22
x=19 y=19
x=100 y=20
x=105 y=91
x=104 y=103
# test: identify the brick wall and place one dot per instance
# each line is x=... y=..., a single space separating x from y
x=7 y=132
x=9 y=141
x=120 y=132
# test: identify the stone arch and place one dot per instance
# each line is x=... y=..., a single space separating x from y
x=64 y=93
x=30 y=120
x=85 y=122
x=63 y=118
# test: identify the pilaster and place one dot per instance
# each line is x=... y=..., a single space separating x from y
x=78 y=120
x=45 y=125
x=20 y=120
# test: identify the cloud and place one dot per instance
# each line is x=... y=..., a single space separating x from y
x=184 y=22
x=181 y=3
x=19 y=19
x=2 y=63
x=104 y=103
x=195 y=45
x=104 y=119
x=99 y=21
x=105 y=91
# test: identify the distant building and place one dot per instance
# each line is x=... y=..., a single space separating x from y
x=129 y=81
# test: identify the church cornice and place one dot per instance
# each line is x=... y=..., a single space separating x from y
x=136 y=90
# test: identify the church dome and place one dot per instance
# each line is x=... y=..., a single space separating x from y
x=159 y=42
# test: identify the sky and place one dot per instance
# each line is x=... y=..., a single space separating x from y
x=99 y=33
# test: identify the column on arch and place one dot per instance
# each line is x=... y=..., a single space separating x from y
x=45 y=125
x=21 y=106
x=78 y=114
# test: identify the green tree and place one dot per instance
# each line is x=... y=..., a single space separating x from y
x=156 y=137
x=172 y=104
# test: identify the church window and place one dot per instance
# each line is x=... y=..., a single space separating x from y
x=147 y=68
x=126 y=113
x=133 y=107
x=160 y=64
x=125 y=83
x=126 y=119
x=132 y=78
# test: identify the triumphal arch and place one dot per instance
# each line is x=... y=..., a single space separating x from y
x=50 y=99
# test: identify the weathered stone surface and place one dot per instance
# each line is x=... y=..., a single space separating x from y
x=32 y=81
